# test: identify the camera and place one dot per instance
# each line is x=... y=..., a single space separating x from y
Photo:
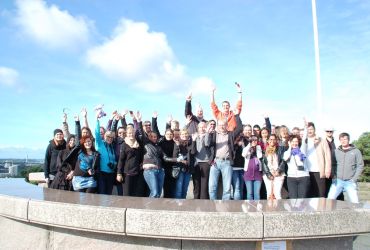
x=111 y=165
x=300 y=168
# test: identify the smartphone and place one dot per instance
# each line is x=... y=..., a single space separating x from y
x=237 y=84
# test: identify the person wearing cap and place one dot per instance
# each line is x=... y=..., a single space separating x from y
x=350 y=165
x=64 y=173
x=56 y=145
x=329 y=133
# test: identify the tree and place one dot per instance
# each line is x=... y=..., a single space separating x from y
x=363 y=144
x=31 y=169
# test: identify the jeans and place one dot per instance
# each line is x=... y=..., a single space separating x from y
x=298 y=187
x=253 y=189
x=274 y=186
x=339 y=186
x=105 y=182
x=223 y=167
x=182 y=184
x=237 y=184
x=154 y=178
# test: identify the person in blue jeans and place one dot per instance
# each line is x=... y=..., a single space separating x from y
x=223 y=142
x=237 y=181
x=350 y=165
x=182 y=152
x=252 y=168
x=152 y=161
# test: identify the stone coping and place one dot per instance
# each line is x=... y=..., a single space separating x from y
x=183 y=219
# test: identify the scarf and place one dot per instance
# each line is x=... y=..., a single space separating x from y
x=131 y=142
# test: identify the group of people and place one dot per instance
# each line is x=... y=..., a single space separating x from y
x=254 y=162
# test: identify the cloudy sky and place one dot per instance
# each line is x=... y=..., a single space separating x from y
x=148 y=55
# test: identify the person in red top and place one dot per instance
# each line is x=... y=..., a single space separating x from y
x=226 y=113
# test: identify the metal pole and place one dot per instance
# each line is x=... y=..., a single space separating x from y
x=317 y=61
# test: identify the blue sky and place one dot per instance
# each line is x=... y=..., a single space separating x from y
x=148 y=55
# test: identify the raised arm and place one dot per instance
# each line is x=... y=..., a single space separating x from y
x=239 y=101
x=215 y=110
x=188 y=106
x=65 y=127
x=84 y=115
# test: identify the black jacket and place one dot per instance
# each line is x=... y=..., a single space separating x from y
x=51 y=155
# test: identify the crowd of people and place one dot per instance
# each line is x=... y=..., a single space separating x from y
x=254 y=162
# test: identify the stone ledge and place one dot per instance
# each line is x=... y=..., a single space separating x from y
x=194 y=225
x=92 y=218
x=14 y=207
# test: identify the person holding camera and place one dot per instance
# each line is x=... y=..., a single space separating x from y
x=298 y=179
x=108 y=162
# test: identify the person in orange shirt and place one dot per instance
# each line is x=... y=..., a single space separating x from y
x=226 y=113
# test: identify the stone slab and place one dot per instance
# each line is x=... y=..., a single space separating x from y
x=13 y=207
x=22 y=235
x=84 y=217
x=218 y=245
x=73 y=239
x=194 y=225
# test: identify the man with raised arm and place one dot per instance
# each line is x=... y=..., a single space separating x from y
x=227 y=114
x=193 y=120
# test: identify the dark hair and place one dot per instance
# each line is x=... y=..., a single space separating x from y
x=88 y=129
x=83 y=140
x=311 y=124
x=344 y=134
x=274 y=135
x=298 y=137
x=226 y=102
x=257 y=126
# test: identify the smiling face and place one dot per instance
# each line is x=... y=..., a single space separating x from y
x=272 y=140
x=294 y=143
x=225 y=107
x=247 y=131
x=153 y=137
x=222 y=126
x=168 y=135
x=72 y=142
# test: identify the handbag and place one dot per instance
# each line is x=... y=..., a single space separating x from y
x=80 y=182
x=175 y=171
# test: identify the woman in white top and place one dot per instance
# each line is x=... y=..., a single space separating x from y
x=298 y=179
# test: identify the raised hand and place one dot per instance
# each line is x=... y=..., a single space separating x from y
x=238 y=87
x=155 y=114
x=169 y=118
x=84 y=112
x=64 y=117
x=138 y=116
x=189 y=97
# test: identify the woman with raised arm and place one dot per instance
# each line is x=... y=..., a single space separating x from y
x=108 y=162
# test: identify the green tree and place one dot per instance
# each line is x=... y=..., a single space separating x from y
x=31 y=169
x=363 y=144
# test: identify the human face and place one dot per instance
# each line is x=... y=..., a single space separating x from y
x=175 y=125
x=264 y=134
x=212 y=125
x=200 y=112
x=72 y=142
x=58 y=136
x=295 y=131
x=184 y=135
x=102 y=132
x=88 y=143
x=294 y=143
x=109 y=139
x=247 y=131
x=168 y=135
x=225 y=107
x=85 y=132
x=147 y=127
x=272 y=141
x=256 y=131
x=202 y=128
x=222 y=126
x=121 y=133
x=153 y=137
x=130 y=134
x=254 y=142
x=344 y=141
x=329 y=133
x=311 y=131
x=176 y=135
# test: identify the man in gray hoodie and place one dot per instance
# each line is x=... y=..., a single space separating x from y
x=349 y=168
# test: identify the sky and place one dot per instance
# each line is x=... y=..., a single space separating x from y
x=149 y=55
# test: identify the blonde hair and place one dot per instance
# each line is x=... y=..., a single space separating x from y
x=109 y=134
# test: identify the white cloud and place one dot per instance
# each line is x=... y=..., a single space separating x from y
x=50 y=26
x=8 y=77
x=140 y=56
x=202 y=86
